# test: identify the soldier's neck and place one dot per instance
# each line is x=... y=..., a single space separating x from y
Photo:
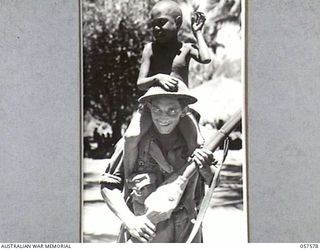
x=168 y=139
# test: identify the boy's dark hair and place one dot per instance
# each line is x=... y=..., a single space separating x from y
x=170 y=7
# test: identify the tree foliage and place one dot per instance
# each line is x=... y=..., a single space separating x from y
x=114 y=33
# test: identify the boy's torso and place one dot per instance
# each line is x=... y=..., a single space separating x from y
x=172 y=60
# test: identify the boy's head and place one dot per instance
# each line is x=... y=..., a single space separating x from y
x=166 y=20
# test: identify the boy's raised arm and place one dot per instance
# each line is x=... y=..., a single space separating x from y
x=201 y=53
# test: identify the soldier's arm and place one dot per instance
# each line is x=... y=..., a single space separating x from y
x=140 y=227
x=114 y=200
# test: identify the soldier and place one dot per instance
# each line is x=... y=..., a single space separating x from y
x=162 y=145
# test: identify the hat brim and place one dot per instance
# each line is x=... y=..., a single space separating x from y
x=158 y=91
x=186 y=98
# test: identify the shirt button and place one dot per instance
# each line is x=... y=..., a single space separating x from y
x=171 y=199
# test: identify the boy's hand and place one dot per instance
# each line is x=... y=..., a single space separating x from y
x=197 y=21
x=167 y=82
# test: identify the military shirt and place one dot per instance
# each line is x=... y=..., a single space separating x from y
x=146 y=176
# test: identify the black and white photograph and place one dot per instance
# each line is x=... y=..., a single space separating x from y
x=163 y=134
x=170 y=121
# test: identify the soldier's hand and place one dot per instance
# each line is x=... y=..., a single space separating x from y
x=197 y=21
x=167 y=82
x=203 y=157
x=141 y=228
x=103 y=178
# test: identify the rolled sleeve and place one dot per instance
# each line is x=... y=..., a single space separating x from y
x=114 y=174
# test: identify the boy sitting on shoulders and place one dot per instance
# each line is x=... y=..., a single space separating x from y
x=164 y=61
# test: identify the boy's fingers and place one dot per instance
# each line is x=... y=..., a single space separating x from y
x=169 y=86
x=172 y=87
x=166 y=87
x=197 y=15
x=171 y=79
x=200 y=18
x=175 y=82
x=203 y=19
x=200 y=14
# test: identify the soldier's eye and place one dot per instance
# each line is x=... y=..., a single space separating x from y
x=155 y=110
x=172 y=111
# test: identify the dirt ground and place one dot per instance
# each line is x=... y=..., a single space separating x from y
x=225 y=220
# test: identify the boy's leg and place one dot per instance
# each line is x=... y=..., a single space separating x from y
x=189 y=128
x=139 y=125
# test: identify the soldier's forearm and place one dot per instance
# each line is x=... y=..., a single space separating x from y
x=114 y=200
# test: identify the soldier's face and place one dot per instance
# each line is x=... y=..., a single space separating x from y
x=165 y=113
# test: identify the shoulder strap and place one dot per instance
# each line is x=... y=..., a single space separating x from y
x=206 y=200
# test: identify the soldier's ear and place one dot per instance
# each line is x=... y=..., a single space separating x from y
x=148 y=105
x=179 y=21
x=184 y=111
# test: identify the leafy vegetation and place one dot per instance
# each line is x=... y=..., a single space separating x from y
x=114 y=35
